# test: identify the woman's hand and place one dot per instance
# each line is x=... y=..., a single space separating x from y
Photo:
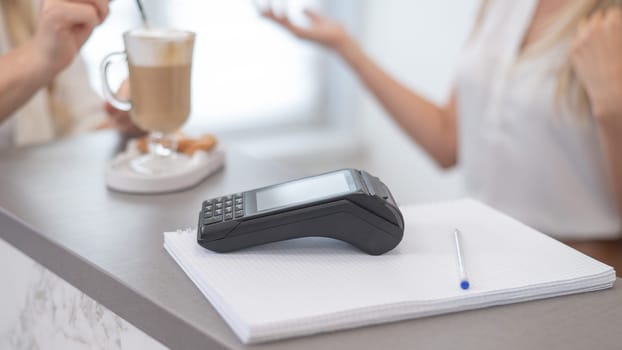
x=322 y=30
x=120 y=120
x=63 y=26
x=62 y=29
x=597 y=60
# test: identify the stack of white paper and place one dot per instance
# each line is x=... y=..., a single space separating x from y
x=316 y=285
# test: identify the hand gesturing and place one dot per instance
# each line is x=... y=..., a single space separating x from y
x=322 y=30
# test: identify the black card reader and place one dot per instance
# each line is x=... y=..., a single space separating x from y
x=348 y=205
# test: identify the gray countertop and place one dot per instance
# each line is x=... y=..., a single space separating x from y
x=56 y=209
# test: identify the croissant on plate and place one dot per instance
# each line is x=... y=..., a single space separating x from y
x=185 y=145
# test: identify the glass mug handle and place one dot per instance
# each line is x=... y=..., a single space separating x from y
x=111 y=97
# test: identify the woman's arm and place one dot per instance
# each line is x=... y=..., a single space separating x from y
x=22 y=72
x=63 y=26
x=611 y=136
x=431 y=126
x=597 y=59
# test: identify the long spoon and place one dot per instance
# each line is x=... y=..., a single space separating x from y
x=143 y=15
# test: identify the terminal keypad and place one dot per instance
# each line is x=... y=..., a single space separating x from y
x=223 y=209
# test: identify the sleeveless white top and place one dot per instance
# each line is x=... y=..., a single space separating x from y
x=522 y=152
x=34 y=122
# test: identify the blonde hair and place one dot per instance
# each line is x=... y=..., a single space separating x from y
x=569 y=89
x=21 y=24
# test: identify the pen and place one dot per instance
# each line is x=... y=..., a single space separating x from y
x=464 y=281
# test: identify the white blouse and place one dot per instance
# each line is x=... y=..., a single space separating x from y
x=521 y=152
x=34 y=122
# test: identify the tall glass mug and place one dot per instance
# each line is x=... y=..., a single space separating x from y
x=160 y=65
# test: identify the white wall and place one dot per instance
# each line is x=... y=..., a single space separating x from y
x=418 y=42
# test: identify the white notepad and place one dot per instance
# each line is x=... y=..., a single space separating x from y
x=315 y=285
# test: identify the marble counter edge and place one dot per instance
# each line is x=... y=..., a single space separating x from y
x=154 y=319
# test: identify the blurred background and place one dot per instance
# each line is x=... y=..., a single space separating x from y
x=275 y=97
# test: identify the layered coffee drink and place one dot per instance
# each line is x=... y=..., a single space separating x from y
x=161 y=97
x=160 y=65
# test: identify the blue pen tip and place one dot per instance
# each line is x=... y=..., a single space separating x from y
x=464 y=285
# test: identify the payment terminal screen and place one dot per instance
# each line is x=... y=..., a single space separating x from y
x=305 y=190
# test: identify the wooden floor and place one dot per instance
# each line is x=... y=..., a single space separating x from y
x=609 y=252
